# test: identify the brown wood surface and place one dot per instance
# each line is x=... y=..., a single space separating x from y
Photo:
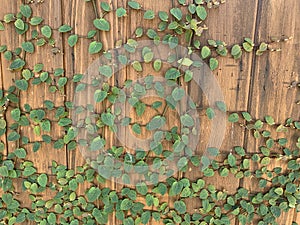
x=257 y=84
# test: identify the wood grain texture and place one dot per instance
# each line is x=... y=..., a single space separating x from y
x=36 y=95
x=233 y=76
x=271 y=75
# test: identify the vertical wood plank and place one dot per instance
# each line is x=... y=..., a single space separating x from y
x=37 y=94
x=230 y=24
x=272 y=73
x=7 y=78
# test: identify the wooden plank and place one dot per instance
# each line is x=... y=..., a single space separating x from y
x=233 y=76
x=134 y=22
x=78 y=61
x=8 y=76
x=272 y=73
x=43 y=158
x=37 y=94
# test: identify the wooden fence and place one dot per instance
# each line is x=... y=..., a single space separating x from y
x=256 y=84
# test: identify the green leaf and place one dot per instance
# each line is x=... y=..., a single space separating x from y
x=278 y=191
x=213 y=151
x=20 y=153
x=120 y=12
x=163 y=16
x=201 y=12
x=188 y=75
x=137 y=66
x=64 y=122
x=240 y=151
x=58 y=72
x=3 y=172
x=22 y=84
x=105 y=6
x=210 y=113
x=126 y=204
x=173 y=42
x=16 y=114
x=182 y=162
x=176 y=12
x=106 y=70
x=156 y=123
x=291 y=188
x=145 y=217
x=142 y=188
x=205 y=52
x=140 y=108
x=134 y=5
x=265 y=161
x=108 y=119
x=178 y=93
x=205 y=162
x=203 y=194
x=17 y=64
x=46 y=125
x=73 y=185
x=176 y=188
x=100 y=216
x=149 y=15
x=148 y=57
x=36 y=20
x=248 y=47
x=187 y=120
x=20 y=24
x=136 y=128
x=91 y=34
x=95 y=47
x=64 y=28
x=42 y=180
x=172 y=74
x=269 y=120
x=2 y=124
x=46 y=31
x=99 y=95
x=28 y=171
x=213 y=63
x=275 y=210
x=25 y=10
x=97 y=144
x=139 y=32
x=157 y=65
x=236 y=51
x=102 y=24
x=93 y=194
x=28 y=47
x=180 y=207
x=36 y=146
x=62 y=81
x=38 y=67
x=233 y=118
x=51 y=218
x=2 y=28
x=221 y=106
x=47 y=138
x=231 y=160
x=13 y=136
x=208 y=172
x=72 y=40
x=247 y=116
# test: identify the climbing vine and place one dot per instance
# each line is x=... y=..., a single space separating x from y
x=87 y=121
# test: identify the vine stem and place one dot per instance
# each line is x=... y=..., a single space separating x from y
x=97 y=16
